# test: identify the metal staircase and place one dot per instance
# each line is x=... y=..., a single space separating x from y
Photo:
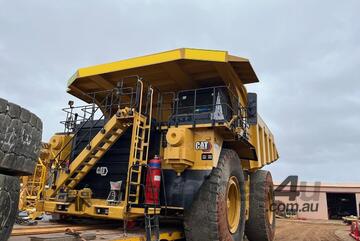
x=94 y=151
x=131 y=110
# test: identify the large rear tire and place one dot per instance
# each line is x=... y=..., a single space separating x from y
x=9 y=199
x=261 y=224
x=20 y=139
x=218 y=211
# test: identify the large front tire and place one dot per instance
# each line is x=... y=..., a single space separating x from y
x=218 y=211
x=261 y=223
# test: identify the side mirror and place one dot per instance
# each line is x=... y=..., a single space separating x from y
x=252 y=108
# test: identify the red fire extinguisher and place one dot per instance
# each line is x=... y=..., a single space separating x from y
x=153 y=181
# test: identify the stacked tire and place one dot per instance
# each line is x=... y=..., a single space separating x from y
x=20 y=140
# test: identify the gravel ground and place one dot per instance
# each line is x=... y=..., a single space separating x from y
x=287 y=230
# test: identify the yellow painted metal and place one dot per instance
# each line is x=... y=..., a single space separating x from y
x=148 y=124
x=230 y=78
x=137 y=157
x=263 y=140
x=233 y=204
x=270 y=208
x=32 y=188
x=164 y=236
x=117 y=212
x=183 y=69
x=168 y=71
x=215 y=140
x=91 y=154
x=177 y=235
x=139 y=150
x=173 y=70
x=168 y=56
x=60 y=143
x=180 y=151
x=247 y=198
x=85 y=205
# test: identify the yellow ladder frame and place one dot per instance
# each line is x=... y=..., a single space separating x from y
x=137 y=157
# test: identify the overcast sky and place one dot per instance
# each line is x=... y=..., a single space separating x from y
x=306 y=55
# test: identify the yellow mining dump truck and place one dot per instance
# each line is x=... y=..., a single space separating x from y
x=173 y=134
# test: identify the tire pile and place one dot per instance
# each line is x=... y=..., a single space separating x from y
x=20 y=141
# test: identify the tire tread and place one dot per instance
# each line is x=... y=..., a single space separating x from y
x=257 y=228
x=20 y=139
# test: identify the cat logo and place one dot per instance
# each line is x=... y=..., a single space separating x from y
x=203 y=145
x=103 y=171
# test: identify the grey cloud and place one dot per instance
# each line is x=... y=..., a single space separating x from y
x=306 y=54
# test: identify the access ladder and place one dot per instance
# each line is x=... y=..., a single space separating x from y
x=138 y=157
x=139 y=151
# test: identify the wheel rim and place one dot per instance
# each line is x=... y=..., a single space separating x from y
x=233 y=204
x=269 y=208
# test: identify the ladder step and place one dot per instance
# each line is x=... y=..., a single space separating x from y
x=31 y=197
x=135 y=181
x=71 y=179
x=115 y=134
x=144 y=127
x=79 y=171
x=100 y=149
x=87 y=164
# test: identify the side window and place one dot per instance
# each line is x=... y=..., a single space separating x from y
x=203 y=105
x=204 y=101
x=186 y=102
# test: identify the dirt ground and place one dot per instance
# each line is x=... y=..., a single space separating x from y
x=291 y=230
x=286 y=230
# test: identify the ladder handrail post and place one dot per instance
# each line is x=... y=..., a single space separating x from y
x=141 y=95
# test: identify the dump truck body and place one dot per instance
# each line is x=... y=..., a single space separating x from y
x=190 y=107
